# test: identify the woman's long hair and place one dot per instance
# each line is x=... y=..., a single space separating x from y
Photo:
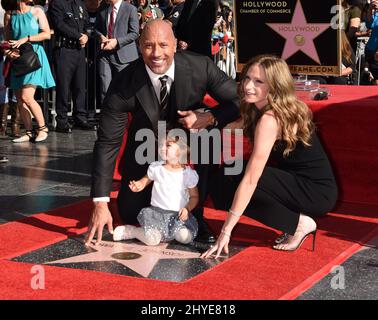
x=288 y=110
x=346 y=49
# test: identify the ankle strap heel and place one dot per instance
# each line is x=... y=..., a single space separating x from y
x=29 y=136
x=42 y=133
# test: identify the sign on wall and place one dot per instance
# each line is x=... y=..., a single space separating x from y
x=305 y=33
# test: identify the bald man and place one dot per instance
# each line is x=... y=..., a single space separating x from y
x=136 y=90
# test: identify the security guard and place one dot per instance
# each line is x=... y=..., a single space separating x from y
x=69 y=19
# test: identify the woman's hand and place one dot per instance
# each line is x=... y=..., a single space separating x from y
x=221 y=244
x=17 y=43
x=12 y=54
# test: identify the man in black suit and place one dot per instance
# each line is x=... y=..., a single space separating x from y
x=195 y=25
x=188 y=77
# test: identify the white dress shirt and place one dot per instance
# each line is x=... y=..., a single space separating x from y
x=157 y=85
x=116 y=9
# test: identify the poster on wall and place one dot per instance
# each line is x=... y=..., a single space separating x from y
x=305 y=33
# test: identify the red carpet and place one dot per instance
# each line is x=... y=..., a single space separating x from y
x=258 y=272
x=347 y=124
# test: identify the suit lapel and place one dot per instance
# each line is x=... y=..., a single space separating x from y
x=182 y=80
x=119 y=17
x=105 y=17
x=146 y=96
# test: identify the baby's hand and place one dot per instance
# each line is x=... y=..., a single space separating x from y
x=183 y=214
x=136 y=186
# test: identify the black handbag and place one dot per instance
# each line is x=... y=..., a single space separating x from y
x=27 y=62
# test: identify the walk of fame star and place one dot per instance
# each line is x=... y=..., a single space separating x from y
x=299 y=34
x=167 y=261
x=138 y=257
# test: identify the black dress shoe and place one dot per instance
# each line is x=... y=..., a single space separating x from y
x=204 y=233
x=83 y=125
x=63 y=129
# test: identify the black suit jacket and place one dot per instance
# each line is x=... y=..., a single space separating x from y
x=131 y=91
x=196 y=29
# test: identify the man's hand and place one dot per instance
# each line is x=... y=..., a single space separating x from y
x=183 y=214
x=83 y=40
x=101 y=216
x=109 y=44
x=103 y=41
x=195 y=119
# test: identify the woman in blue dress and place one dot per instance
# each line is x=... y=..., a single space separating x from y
x=29 y=24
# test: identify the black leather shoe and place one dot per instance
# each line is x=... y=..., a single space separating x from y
x=83 y=125
x=204 y=233
x=63 y=129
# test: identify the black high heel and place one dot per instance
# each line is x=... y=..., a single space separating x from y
x=301 y=241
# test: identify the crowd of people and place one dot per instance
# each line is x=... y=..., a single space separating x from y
x=82 y=38
x=210 y=32
x=156 y=61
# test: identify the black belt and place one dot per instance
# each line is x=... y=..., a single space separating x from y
x=70 y=43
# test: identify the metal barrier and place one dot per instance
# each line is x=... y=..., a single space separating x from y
x=360 y=56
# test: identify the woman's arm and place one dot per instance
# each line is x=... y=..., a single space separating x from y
x=43 y=26
x=45 y=33
x=266 y=133
x=193 y=198
x=193 y=202
x=137 y=186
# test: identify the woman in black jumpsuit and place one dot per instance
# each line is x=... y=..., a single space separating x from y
x=288 y=180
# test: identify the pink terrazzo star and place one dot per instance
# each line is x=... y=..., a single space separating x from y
x=299 y=34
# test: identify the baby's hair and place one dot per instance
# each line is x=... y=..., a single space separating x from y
x=183 y=146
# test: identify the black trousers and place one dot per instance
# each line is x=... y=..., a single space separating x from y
x=278 y=200
x=70 y=71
